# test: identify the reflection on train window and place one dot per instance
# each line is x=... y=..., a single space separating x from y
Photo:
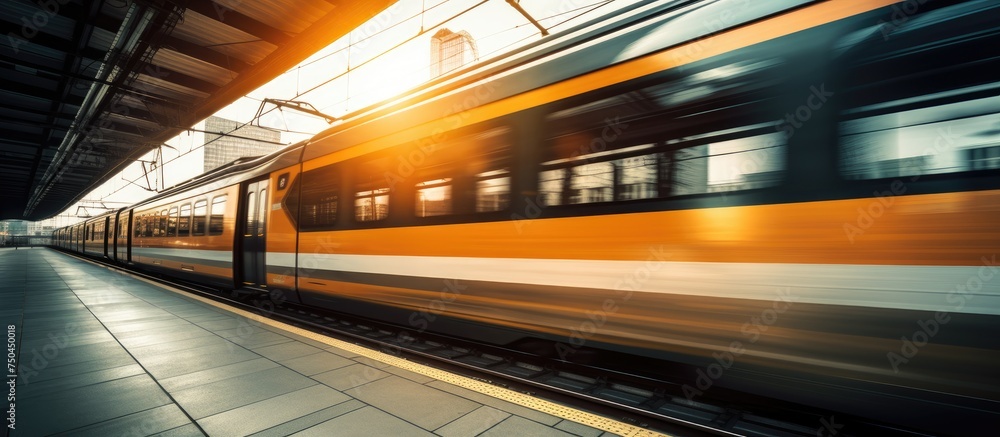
x=251 y=224
x=733 y=165
x=949 y=138
x=371 y=205
x=433 y=198
x=322 y=212
x=172 y=222
x=200 y=209
x=704 y=132
x=468 y=173
x=215 y=221
x=902 y=121
x=161 y=230
x=638 y=177
x=184 y=223
x=262 y=213
x=638 y=172
x=493 y=190
x=320 y=199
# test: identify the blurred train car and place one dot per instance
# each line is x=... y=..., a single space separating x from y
x=800 y=199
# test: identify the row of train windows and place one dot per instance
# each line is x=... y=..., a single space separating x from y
x=183 y=220
x=643 y=171
x=93 y=231
x=433 y=198
x=469 y=175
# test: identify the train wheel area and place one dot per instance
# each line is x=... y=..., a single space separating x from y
x=97 y=351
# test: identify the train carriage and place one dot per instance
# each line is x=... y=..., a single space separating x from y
x=199 y=230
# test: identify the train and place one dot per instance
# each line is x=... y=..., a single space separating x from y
x=796 y=199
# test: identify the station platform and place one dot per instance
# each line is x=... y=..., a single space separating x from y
x=102 y=352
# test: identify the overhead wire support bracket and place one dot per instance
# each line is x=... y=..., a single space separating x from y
x=516 y=5
x=296 y=105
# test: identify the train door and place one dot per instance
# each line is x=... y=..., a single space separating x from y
x=254 y=224
x=106 y=236
x=123 y=243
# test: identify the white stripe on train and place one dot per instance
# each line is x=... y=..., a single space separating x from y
x=963 y=289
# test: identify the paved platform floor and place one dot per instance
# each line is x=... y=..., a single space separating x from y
x=102 y=353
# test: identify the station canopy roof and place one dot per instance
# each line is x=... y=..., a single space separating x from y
x=89 y=86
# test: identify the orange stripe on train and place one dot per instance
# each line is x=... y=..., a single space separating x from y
x=954 y=229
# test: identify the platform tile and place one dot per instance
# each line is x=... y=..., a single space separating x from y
x=262 y=415
x=208 y=376
x=213 y=398
x=149 y=422
x=194 y=360
x=286 y=351
x=351 y=376
x=424 y=406
x=475 y=422
x=310 y=420
x=364 y=422
x=516 y=425
x=316 y=363
x=86 y=405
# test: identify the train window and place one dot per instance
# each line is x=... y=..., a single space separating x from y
x=433 y=198
x=251 y=224
x=922 y=142
x=623 y=174
x=320 y=199
x=637 y=177
x=371 y=205
x=172 y=222
x=484 y=161
x=198 y=226
x=184 y=221
x=745 y=163
x=162 y=229
x=262 y=212
x=910 y=112
x=215 y=224
x=731 y=165
x=493 y=190
x=703 y=132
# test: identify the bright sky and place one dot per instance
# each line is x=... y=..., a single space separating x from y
x=387 y=56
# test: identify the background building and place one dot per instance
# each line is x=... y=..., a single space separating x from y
x=451 y=50
x=243 y=142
